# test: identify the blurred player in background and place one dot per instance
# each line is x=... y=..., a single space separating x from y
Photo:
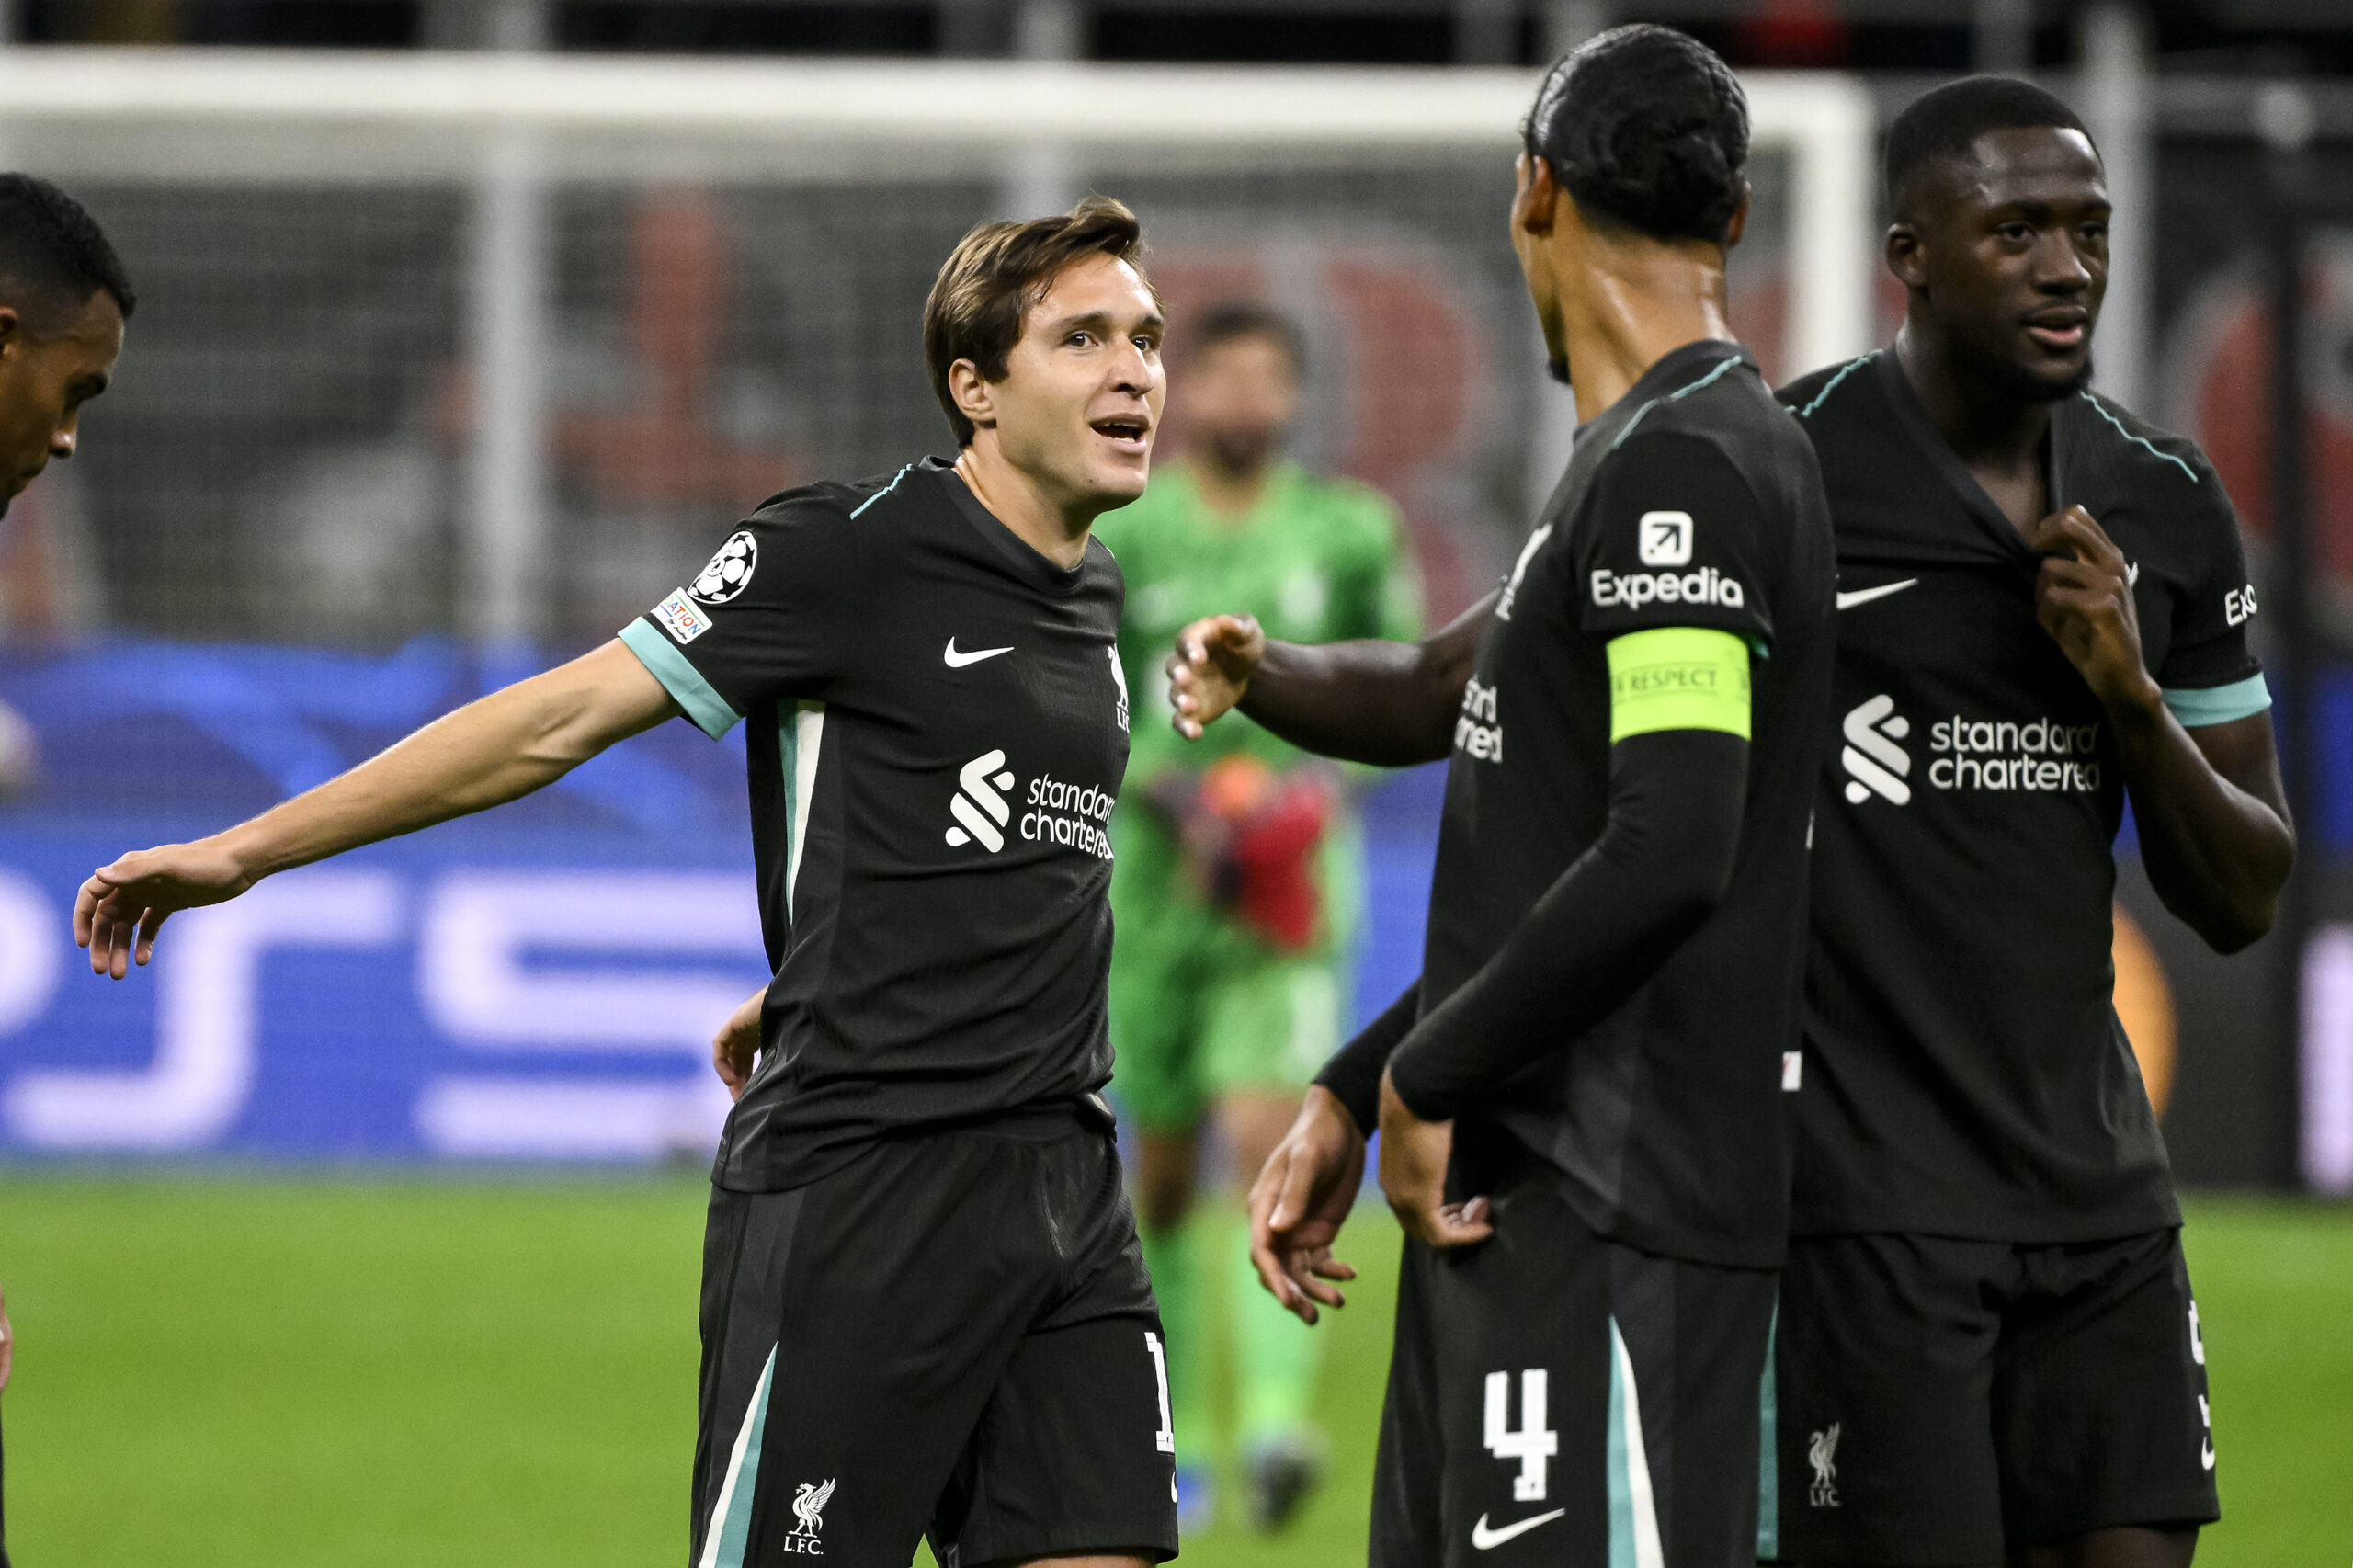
x=1987 y=1349
x=1240 y=872
x=1580 y=1100
x=63 y=300
x=925 y=1310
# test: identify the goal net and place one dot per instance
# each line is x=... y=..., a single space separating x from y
x=493 y=344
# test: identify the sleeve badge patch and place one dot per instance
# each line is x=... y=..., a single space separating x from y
x=730 y=572
x=681 y=617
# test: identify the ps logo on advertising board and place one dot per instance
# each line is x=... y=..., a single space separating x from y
x=1664 y=538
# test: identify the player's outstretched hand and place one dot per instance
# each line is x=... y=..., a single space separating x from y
x=2083 y=597
x=735 y=1050
x=1414 y=1156
x=121 y=907
x=1211 y=669
x=1300 y=1202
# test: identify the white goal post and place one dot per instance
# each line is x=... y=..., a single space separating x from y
x=508 y=126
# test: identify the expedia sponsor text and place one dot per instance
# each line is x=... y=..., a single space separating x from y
x=1635 y=589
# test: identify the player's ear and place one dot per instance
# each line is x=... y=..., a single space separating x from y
x=1739 y=225
x=1536 y=197
x=1905 y=255
x=974 y=397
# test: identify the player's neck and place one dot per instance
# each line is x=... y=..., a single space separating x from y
x=1638 y=302
x=1055 y=527
x=1995 y=432
x=1230 y=494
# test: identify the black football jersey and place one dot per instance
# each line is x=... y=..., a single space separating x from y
x=1964 y=1073
x=937 y=724
x=1691 y=502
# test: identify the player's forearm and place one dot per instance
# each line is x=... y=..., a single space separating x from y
x=1391 y=704
x=490 y=751
x=2216 y=851
x=1657 y=872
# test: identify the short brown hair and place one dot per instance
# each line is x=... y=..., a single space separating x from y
x=996 y=273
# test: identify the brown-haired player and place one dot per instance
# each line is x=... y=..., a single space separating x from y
x=923 y=1307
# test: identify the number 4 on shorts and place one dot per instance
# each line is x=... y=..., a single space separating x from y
x=1533 y=1443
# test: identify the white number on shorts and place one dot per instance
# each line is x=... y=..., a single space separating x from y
x=1534 y=1443
x=1165 y=1439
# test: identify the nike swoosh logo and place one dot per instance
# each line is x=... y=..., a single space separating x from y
x=1485 y=1539
x=1865 y=596
x=2205 y=1456
x=957 y=661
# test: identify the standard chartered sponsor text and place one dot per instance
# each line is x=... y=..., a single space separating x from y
x=2004 y=754
x=1479 y=728
x=1068 y=815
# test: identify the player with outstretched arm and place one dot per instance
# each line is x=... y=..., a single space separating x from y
x=1581 y=1102
x=924 y=1306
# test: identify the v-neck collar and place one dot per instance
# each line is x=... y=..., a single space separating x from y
x=1019 y=553
x=1664 y=376
x=1913 y=416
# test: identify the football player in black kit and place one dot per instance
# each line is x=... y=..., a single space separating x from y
x=923 y=1307
x=63 y=300
x=1987 y=1349
x=1580 y=1102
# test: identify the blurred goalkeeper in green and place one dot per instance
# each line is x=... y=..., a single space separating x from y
x=1239 y=873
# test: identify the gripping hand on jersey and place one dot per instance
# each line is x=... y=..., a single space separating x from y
x=2083 y=597
x=1211 y=669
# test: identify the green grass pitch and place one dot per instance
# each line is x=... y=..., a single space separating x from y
x=360 y=1373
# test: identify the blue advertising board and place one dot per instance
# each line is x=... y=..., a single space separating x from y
x=540 y=981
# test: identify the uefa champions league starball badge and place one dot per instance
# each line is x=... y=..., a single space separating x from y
x=729 y=571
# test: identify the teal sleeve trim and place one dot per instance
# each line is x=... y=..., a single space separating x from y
x=2221 y=704
x=684 y=683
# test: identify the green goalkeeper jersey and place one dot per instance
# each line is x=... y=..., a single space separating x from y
x=1316 y=559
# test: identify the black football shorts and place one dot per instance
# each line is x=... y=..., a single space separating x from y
x=951 y=1336
x=1937 y=1400
x=1559 y=1399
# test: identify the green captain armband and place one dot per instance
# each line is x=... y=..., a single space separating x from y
x=1678 y=677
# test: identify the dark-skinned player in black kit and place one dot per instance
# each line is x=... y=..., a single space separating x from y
x=1987 y=1349
x=1581 y=1101
x=63 y=300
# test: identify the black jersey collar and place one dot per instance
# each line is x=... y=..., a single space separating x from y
x=1019 y=552
x=1669 y=373
x=1913 y=416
